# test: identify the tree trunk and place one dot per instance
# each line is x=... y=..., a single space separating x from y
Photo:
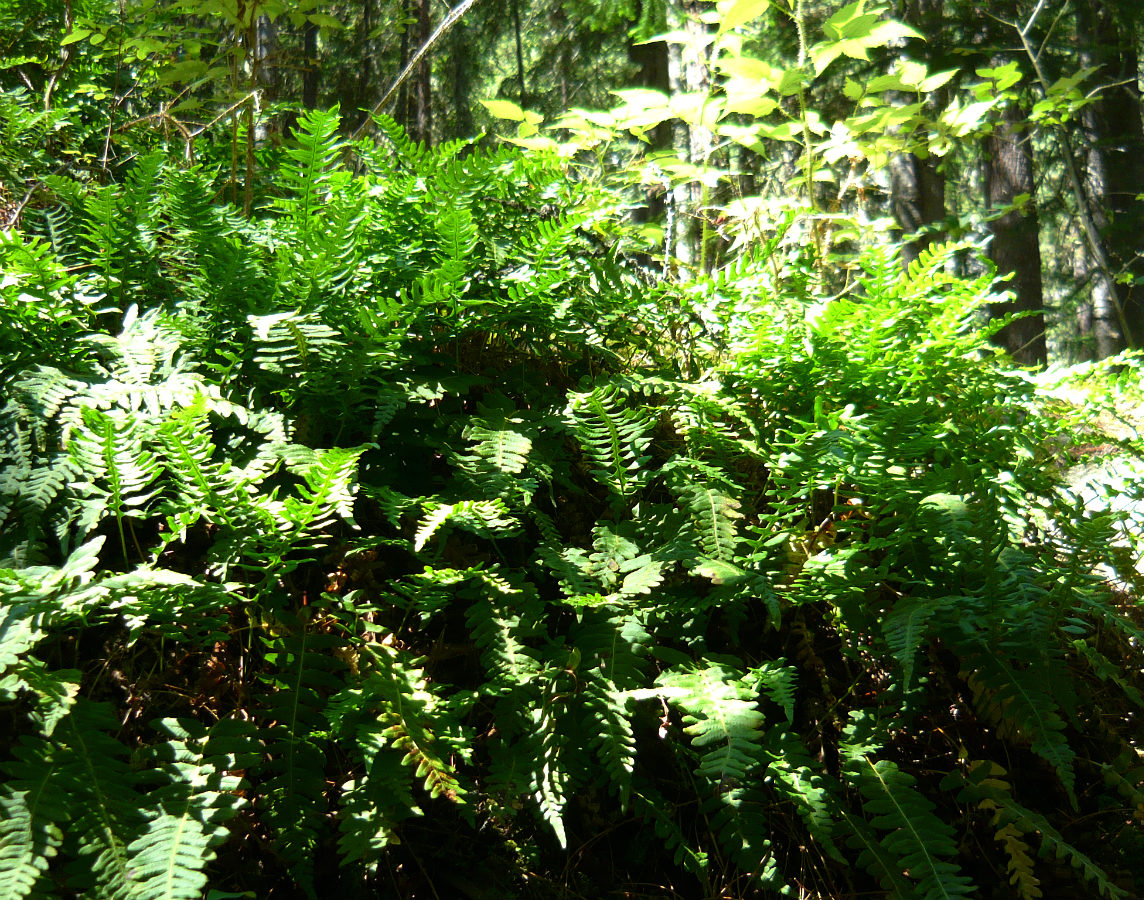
x=1015 y=247
x=689 y=72
x=917 y=199
x=1114 y=176
x=402 y=109
x=917 y=186
x=310 y=71
x=460 y=124
x=423 y=79
x=653 y=71
x=522 y=90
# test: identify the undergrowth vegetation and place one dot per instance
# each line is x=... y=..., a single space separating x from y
x=412 y=538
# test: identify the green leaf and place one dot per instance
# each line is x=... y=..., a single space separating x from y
x=504 y=109
x=739 y=12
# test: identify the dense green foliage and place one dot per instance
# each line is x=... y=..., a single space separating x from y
x=412 y=537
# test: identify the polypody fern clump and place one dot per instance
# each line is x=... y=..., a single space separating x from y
x=409 y=537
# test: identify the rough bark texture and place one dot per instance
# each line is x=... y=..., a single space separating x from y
x=1015 y=247
x=423 y=81
x=653 y=71
x=917 y=199
x=1114 y=175
x=689 y=72
x=310 y=70
x=460 y=123
x=917 y=187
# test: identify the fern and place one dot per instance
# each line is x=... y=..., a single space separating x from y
x=194 y=798
x=35 y=808
x=614 y=438
x=985 y=786
x=724 y=724
x=301 y=679
x=915 y=839
x=1016 y=701
x=612 y=648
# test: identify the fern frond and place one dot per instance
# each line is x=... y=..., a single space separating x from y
x=612 y=648
x=499 y=624
x=722 y=719
x=483 y=517
x=33 y=811
x=308 y=173
x=984 y=785
x=919 y=842
x=813 y=793
x=905 y=628
x=107 y=805
x=302 y=677
x=499 y=456
x=186 y=811
x=613 y=436
x=1017 y=703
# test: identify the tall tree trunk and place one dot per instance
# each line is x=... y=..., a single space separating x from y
x=917 y=200
x=689 y=72
x=1114 y=175
x=1015 y=247
x=653 y=65
x=310 y=71
x=917 y=185
x=460 y=124
x=370 y=90
x=402 y=109
x=423 y=80
x=522 y=90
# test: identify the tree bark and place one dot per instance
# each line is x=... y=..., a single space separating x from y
x=1114 y=176
x=1015 y=247
x=689 y=72
x=917 y=185
x=460 y=124
x=423 y=80
x=310 y=72
x=522 y=89
x=917 y=200
x=402 y=109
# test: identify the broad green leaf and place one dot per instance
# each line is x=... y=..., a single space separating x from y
x=504 y=109
x=739 y=12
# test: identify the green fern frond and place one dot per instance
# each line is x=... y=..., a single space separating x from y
x=917 y=840
x=905 y=628
x=483 y=517
x=713 y=512
x=1016 y=701
x=186 y=811
x=107 y=807
x=293 y=345
x=301 y=679
x=612 y=649
x=33 y=812
x=780 y=682
x=499 y=624
x=613 y=436
x=720 y=715
x=119 y=471
x=797 y=778
x=499 y=456
x=549 y=776
x=409 y=716
x=984 y=786
x=308 y=173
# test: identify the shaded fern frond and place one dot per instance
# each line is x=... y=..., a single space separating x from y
x=613 y=436
x=916 y=840
x=1017 y=702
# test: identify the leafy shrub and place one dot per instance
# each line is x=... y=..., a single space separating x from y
x=398 y=520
